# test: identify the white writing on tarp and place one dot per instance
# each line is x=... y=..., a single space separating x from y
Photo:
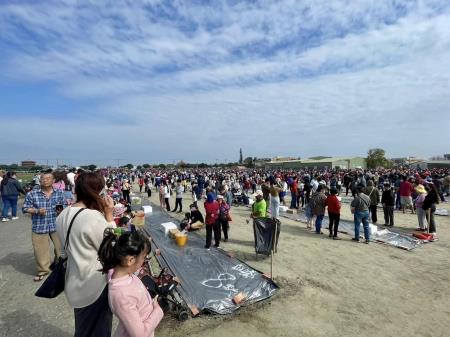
x=244 y=271
x=220 y=282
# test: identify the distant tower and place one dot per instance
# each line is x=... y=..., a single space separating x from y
x=241 y=159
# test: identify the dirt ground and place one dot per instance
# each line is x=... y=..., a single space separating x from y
x=338 y=288
x=327 y=288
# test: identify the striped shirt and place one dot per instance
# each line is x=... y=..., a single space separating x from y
x=42 y=224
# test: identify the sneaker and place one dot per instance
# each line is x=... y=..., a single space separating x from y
x=5 y=219
x=355 y=239
x=336 y=238
x=367 y=242
x=14 y=218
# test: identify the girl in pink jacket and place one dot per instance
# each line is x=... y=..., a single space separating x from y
x=121 y=256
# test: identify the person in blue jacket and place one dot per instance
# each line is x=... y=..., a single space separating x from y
x=10 y=189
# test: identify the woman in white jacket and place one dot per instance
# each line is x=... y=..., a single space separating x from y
x=86 y=288
x=167 y=192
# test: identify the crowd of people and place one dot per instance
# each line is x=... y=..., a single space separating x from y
x=81 y=209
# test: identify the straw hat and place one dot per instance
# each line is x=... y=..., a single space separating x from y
x=420 y=189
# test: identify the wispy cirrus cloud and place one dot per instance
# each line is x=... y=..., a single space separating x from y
x=160 y=61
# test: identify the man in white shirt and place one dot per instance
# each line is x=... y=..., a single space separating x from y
x=179 y=189
x=314 y=184
x=71 y=177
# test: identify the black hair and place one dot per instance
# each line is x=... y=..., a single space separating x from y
x=8 y=176
x=333 y=191
x=187 y=215
x=320 y=188
x=115 y=248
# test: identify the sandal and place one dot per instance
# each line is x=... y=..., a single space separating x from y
x=38 y=278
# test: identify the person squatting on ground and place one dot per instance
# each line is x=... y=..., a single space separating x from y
x=10 y=189
x=224 y=216
x=334 y=213
x=212 y=220
x=44 y=203
x=121 y=256
x=360 y=209
x=388 y=202
x=86 y=289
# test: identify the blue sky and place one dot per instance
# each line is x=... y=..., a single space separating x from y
x=163 y=81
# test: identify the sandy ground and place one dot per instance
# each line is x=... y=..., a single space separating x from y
x=328 y=288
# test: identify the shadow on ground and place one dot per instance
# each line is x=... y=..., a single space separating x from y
x=22 y=262
x=22 y=323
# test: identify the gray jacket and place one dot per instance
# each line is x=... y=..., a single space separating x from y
x=361 y=202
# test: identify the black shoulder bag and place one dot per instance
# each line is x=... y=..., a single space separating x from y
x=54 y=283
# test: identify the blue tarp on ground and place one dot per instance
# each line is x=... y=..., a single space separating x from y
x=209 y=279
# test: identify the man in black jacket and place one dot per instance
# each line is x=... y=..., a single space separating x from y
x=388 y=201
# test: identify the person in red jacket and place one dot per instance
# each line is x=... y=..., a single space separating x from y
x=212 y=220
x=334 y=213
x=406 y=190
x=141 y=183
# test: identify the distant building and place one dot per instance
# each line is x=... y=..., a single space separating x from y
x=428 y=164
x=320 y=164
x=280 y=158
x=437 y=164
x=28 y=164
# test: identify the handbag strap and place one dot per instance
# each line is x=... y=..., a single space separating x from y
x=70 y=227
x=364 y=202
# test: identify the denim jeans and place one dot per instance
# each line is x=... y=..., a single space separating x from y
x=319 y=219
x=421 y=217
x=364 y=218
x=9 y=201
